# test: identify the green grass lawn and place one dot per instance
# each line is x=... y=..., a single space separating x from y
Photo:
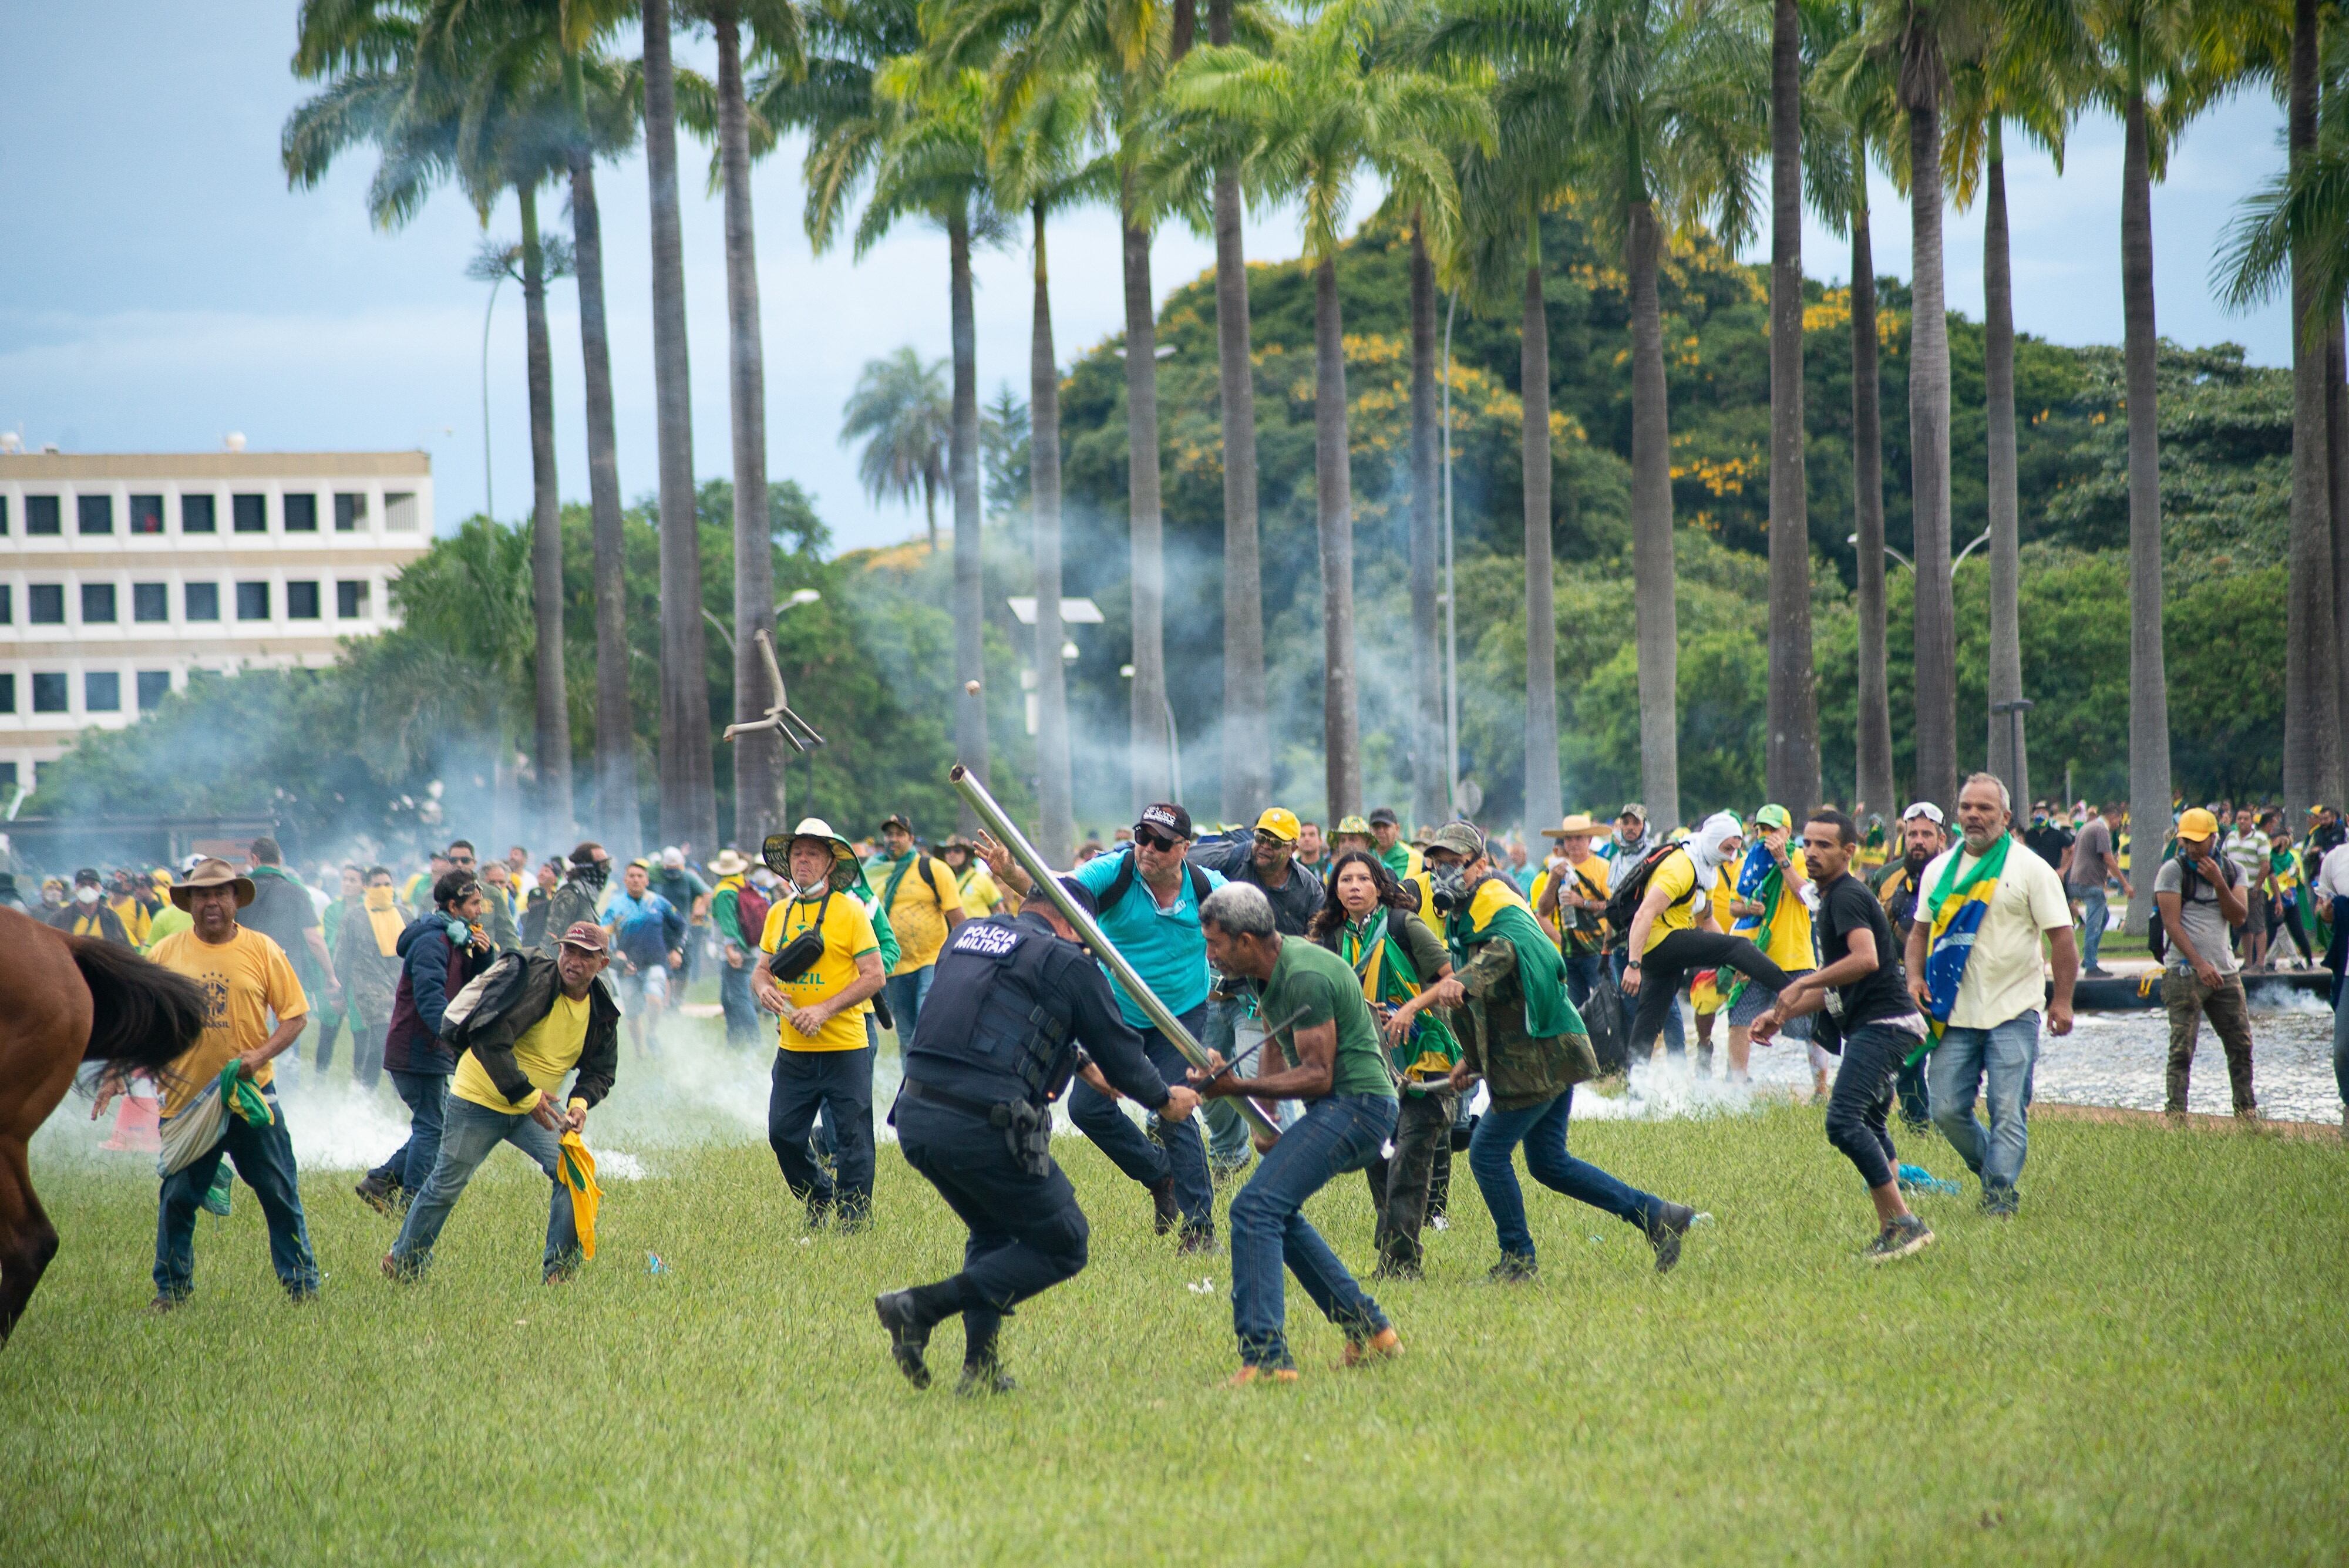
x=2151 y=1363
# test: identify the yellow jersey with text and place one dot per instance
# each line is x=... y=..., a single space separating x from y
x=848 y=936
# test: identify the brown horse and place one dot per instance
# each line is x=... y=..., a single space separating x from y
x=65 y=1001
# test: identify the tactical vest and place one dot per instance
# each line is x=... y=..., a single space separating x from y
x=994 y=1015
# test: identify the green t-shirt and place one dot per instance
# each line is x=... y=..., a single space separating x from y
x=1311 y=985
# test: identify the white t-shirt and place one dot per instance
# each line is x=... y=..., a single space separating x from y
x=2005 y=977
x=2333 y=874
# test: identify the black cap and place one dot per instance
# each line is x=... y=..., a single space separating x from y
x=1167 y=818
x=896 y=820
x=1385 y=817
x=1078 y=894
x=86 y=877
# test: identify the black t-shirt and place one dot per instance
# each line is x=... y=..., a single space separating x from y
x=2048 y=841
x=281 y=910
x=1846 y=906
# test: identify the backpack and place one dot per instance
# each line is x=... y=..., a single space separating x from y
x=1624 y=899
x=751 y=907
x=1122 y=883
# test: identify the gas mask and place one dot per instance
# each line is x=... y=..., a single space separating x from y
x=1449 y=886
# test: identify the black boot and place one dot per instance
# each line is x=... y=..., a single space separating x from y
x=910 y=1333
x=1671 y=1222
x=1165 y=1213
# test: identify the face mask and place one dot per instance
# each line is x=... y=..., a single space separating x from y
x=378 y=899
x=815 y=891
x=85 y=895
x=593 y=877
x=1449 y=885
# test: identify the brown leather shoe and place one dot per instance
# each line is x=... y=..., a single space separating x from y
x=1248 y=1377
x=1384 y=1346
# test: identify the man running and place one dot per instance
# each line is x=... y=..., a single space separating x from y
x=439 y=952
x=1671 y=938
x=981 y=896
x=1860 y=984
x=649 y=932
x=924 y=904
x=253 y=1010
x=366 y=958
x=1335 y=1066
x=1625 y=848
x=577 y=896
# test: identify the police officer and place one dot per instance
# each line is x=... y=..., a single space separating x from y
x=1015 y=1007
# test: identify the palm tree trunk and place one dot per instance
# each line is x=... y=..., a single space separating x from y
x=1544 y=798
x=616 y=725
x=1651 y=529
x=1873 y=750
x=551 y=737
x=2311 y=692
x=1936 y=674
x=2009 y=753
x=1054 y=806
x=758 y=755
x=1429 y=770
x=2148 y=677
x=1791 y=758
x=2336 y=423
x=688 y=803
x=1247 y=737
x=1153 y=754
x=1333 y=487
x=962 y=470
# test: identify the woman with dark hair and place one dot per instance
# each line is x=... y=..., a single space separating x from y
x=1370 y=920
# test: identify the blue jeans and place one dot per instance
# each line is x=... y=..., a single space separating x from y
x=1861 y=1102
x=2341 y=1046
x=2092 y=925
x=1338 y=1133
x=906 y=993
x=840 y=1084
x=1957 y=1071
x=1178 y=1150
x=741 y=1008
x=468 y=1134
x=1675 y=1031
x=263 y=1156
x=1541 y=1127
x=410 y=1165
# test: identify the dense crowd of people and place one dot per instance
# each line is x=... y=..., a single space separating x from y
x=1384 y=1001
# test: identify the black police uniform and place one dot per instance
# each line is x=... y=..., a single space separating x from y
x=998 y=1038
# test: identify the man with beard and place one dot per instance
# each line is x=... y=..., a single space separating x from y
x=1269 y=858
x=576 y=900
x=1631 y=843
x=1921 y=838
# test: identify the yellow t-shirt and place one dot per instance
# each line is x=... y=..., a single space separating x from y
x=1676 y=876
x=1588 y=880
x=1789 y=944
x=918 y=913
x=136 y=920
x=1426 y=885
x=979 y=893
x=244 y=979
x=847 y=937
x=545 y=1052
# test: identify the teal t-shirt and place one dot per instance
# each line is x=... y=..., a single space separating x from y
x=1165 y=946
x=1311 y=985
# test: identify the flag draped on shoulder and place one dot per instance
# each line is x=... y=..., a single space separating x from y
x=1498 y=909
x=1958 y=906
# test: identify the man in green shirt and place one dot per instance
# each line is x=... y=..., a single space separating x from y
x=1313 y=1011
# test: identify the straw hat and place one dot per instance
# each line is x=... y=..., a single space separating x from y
x=214 y=874
x=729 y=864
x=1579 y=824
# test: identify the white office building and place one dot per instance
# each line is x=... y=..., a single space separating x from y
x=121 y=573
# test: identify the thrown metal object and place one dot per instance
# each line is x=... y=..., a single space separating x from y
x=1089 y=932
x=779 y=717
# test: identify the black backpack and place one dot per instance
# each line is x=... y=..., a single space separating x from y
x=1624 y=896
x=1122 y=883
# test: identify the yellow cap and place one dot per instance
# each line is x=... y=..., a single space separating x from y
x=2198 y=824
x=1281 y=823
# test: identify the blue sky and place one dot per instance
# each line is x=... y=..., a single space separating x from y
x=164 y=286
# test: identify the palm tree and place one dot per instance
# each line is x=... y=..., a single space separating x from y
x=902 y=412
x=2030 y=74
x=1326 y=106
x=2160 y=62
x=688 y=802
x=1667 y=105
x=1431 y=770
x=2274 y=240
x=1791 y=758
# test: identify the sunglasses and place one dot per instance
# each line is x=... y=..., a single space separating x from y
x=1156 y=839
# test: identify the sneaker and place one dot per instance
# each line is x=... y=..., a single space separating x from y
x=378 y=1194
x=1513 y=1269
x=1164 y=1213
x=1998 y=1202
x=2097 y=972
x=163 y=1304
x=1196 y=1238
x=910 y=1333
x=1905 y=1235
x=1247 y=1376
x=1384 y=1346
x=980 y=1378
x=1671 y=1224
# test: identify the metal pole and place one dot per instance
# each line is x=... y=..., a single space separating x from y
x=1451 y=590
x=991 y=816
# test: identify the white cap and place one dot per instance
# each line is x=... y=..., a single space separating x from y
x=672 y=859
x=1926 y=809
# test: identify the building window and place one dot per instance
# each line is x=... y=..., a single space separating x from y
x=101 y=693
x=146 y=515
x=300 y=514
x=41 y=514
x=4 y=516
x=8 y=770
x=350 y=600
x=250 y=514
x=399 y=512
x=94 y=514
x=301 y=601
x=200 y=601
x=350 y=510
x=253 y=601
x=151 y=601
x=7 y=693
x=7 y=605
x=154 y=685
x=97 y=604
x=48 y=692
x=196 y=514
x=45 y=603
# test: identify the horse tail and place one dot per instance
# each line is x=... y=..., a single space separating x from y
x=142 y=1016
